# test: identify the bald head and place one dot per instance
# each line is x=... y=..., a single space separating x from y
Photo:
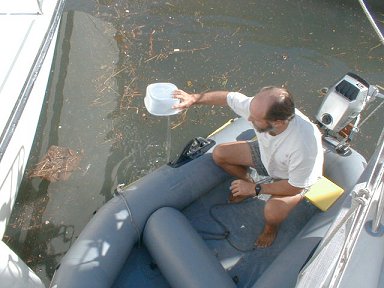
x=275 y=102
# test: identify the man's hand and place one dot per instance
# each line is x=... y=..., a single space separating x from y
x=242 y=188
x=207 y=98
x=187 y=99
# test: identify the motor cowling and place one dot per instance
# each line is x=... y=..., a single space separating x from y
x=343 y=102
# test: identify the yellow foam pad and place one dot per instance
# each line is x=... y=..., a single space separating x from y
x=323 y=193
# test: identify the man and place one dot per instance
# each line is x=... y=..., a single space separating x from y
x=288 y=149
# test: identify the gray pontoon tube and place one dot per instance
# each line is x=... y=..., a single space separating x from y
x=100 y=251
x=181 y=254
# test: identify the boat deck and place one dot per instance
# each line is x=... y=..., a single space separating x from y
x=22 y=37
x=28 y=43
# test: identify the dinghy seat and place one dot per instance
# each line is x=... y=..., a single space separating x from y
x=180 y=252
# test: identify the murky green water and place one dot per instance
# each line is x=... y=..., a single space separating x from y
x=108 y=52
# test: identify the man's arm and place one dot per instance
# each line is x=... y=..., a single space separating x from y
x=208 y=98
x=278 y=188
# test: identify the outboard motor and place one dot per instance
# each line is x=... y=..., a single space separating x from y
x=341 y=108
x=343 y=102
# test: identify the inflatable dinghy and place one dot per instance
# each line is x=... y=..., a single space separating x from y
x=175 y=227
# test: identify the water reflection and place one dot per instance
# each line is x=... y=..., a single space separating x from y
x=108 y=52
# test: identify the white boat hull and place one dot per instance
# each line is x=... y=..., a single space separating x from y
x=26 y=64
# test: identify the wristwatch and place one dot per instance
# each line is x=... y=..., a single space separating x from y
x=257 y=189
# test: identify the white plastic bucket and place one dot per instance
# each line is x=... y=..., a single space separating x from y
x=159 y=101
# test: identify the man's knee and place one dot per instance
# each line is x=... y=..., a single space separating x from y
x=272 y=213
x=218 y=155
x=277 y=210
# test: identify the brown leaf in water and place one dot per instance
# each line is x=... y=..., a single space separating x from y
x=57 y=164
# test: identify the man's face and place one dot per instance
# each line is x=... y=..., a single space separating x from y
x=267 y=127
x=257 y=113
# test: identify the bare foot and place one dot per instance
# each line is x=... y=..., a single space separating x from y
x=267 y=237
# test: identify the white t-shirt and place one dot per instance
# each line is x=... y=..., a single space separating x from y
x=295 y=154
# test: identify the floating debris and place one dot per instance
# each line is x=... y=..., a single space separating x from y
x=57 y=164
